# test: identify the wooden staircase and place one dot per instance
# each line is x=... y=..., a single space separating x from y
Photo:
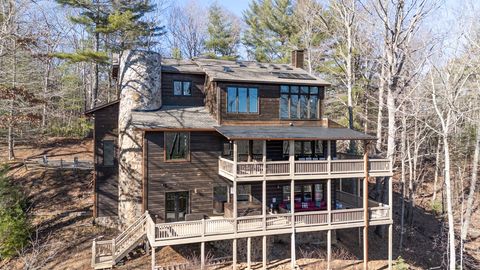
x=107 y=253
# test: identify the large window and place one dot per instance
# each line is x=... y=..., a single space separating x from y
x=299 y=102
x=242 y=100
x=108 y=153
x=182 y=88
x=304 y=149
x=177 y=146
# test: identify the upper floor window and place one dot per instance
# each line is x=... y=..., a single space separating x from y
x=177 y=146
x=242 y=100
x=299 y=102
x=182 y=88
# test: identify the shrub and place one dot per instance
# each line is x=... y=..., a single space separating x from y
x=14 y=226
x=78 y=128
x=400 y=264
x=437 y=207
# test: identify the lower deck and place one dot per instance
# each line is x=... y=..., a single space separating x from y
x=215 y=229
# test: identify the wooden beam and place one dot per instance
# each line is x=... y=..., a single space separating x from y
x=365 y=206
x=264 y=252
x=153 y=258
x=235 y=197
x=390 y=226
x=234 y=255
x=249 y=253
x=329 y=249
x=202 y=255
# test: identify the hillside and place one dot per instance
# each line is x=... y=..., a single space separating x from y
x=61 y=211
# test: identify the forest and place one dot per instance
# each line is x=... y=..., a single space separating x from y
x=402 y=70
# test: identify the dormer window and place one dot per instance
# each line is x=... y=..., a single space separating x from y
x=182 y=88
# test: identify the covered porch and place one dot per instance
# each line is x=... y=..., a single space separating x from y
x=281 y=153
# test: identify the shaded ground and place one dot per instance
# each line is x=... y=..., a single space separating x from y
x=61 y=210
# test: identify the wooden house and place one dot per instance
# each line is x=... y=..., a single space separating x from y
x=237 y=149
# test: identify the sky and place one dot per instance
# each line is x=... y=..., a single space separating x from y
x=235 y=6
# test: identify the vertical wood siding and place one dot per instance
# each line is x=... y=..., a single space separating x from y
x=269 y=107
x=197 y=176
x=106 y=184
x=197 y=87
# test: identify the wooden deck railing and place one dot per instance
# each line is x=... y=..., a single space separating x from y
x=106 y=253
x=302 y=168
x=111 y=251
x=210 y=227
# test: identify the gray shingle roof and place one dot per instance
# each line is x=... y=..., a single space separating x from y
x=173 y=117
x=250 y=71
x=290 y=132
x=242 y=71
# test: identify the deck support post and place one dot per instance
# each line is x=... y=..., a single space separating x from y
x=249 y=253
x=365 y=206
x=390 y=226
x=292 y=200
x=153 y=258
x=329 y=249
x=329 y=157
x=264 y=252
x=264 y=186
x=234 y=255
x=202 y=255
x=329 y=220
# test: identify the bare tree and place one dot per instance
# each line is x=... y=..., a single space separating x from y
x=187 y=28
x=447 y=90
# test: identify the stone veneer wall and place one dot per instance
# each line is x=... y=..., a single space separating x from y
x=140 y=86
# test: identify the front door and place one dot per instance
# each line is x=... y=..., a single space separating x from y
x=176 y=206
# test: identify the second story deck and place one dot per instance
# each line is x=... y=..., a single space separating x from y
x=302 y=169
x=284 y=153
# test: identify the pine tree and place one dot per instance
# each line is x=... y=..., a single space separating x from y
x=116 y=25
x=271 y=32
x=223 y=34
x=93 y=15
x=126 y=27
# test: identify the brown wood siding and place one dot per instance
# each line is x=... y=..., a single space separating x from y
x=269 y=107
x=198 y=176
x=197 y=97
x=106 y=184
x=211 y=99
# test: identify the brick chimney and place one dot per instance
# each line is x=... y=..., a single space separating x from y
x=298 y=58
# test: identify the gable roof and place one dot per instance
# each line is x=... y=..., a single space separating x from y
x=243 y=71
x=100 y=107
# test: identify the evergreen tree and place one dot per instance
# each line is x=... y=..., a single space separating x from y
x=271 y=32
x=116 y=25
x=223 y=34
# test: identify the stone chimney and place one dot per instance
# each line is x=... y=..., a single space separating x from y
x=140 y=90
x=298 y=58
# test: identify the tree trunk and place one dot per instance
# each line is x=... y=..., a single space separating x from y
x=403 y=147
x=11 y=143
x=448 y=193
x=437 y=169
x=391 y=125
x=381 y=90
x=473 y=183
x=45 y=90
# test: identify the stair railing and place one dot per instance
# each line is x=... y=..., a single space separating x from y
x=144 y=225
